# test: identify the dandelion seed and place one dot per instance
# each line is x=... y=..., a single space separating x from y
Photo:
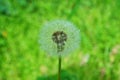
x=59 y=38
x=85 y=59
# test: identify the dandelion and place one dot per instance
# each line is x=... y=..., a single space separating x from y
x=59 y=38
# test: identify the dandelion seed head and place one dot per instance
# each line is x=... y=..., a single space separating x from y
x=59 y=38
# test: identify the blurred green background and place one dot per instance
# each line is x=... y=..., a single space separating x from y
x=22 y=59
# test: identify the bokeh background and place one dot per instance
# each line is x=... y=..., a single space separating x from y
x=97 y=59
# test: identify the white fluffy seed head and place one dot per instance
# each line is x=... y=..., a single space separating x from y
x=50 y=47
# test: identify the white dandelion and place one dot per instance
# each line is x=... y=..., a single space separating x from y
x=59 y=38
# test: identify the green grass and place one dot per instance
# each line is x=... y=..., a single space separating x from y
x=22 y=59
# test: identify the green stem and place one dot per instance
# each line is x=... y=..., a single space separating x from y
x=59 y=68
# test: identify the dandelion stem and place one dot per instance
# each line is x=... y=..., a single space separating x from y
x=59 y=68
